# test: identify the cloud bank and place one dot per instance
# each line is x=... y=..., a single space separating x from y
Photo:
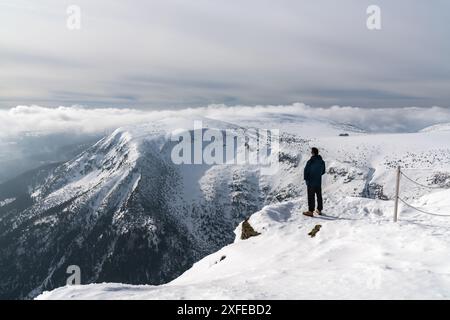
x=79 y=120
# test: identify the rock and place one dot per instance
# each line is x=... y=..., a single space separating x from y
x=315 y=230
x=248 y=231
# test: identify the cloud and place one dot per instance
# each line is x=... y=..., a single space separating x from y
x=79 y=120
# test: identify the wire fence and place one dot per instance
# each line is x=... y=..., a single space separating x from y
x=418 y=183
x=400 y=173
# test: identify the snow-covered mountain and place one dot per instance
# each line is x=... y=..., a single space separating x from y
x=359 y=253
x=124 y=212
x=437 y=127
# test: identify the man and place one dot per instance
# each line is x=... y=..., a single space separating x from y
x=314 y=169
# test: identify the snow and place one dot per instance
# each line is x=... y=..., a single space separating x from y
x=437 y=127
x=359 y=253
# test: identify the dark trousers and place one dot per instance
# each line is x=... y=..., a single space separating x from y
x=312 y=192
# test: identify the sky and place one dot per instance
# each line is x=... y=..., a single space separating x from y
x=173 y=54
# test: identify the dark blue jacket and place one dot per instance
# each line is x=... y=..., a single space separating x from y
x=314 y=169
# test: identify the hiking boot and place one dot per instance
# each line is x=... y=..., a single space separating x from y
x=319 y=212
x=308 y=214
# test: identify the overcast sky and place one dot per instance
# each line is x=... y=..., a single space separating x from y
x=178 y=53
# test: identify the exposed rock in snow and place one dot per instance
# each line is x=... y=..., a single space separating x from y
x=247 y=230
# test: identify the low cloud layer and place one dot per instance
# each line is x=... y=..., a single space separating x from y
x=80 y=120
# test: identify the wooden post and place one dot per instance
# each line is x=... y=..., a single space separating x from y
x=397 y=190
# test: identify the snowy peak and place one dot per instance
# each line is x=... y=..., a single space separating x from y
x=143 y=218
x=437 y=128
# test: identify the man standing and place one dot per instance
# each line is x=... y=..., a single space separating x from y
x=314 y=169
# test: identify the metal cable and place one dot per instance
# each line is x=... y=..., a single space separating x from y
x=420 y=184
x=423 y=211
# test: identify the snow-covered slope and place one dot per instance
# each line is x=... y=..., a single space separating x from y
x=437 y=127
x=123 y=211
x=358 y=253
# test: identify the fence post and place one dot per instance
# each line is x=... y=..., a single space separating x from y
x=397 y=190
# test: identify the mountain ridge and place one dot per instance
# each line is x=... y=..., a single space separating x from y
x=123 y=212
